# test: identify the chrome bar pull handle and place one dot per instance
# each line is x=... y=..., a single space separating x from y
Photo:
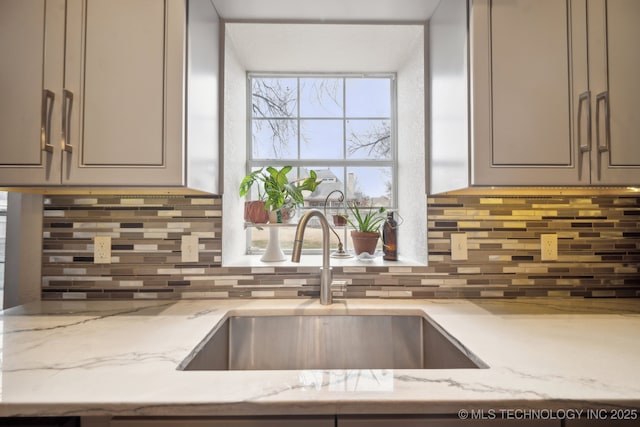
x=602 y=99
x=67 y=107
x=585 y=97
x=45 y=120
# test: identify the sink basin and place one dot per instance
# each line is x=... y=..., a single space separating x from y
x=329 y=342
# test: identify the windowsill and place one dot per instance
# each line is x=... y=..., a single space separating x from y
x=315 y=260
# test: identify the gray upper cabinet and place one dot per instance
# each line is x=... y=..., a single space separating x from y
x=31 y=41
x=122 y=79
x=614 y=61
x=105 y=99
x=552 y=92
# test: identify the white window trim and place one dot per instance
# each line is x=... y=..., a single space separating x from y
x=340 y=163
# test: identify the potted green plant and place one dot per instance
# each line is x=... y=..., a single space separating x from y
x=254 y=210
x=279 y=195
x=366 y=228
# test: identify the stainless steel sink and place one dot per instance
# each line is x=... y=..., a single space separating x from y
x=329 y=342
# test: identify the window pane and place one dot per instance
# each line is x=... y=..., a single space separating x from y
x=320 y=97
x=274 y=97
x=321 y=139
x=275 y=139
x=332 y=179
x=312 y=238
x=370 y=186
x=335 y=121
x=369 y=139
x=368 y=97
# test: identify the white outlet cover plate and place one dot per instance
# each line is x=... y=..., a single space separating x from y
x=548 y=247
x=189 y=248
x=459 y=247
x=102 y=250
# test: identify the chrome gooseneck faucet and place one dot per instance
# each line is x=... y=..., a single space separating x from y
x=325 y=271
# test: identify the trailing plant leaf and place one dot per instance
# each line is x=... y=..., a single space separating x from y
x=247 y=183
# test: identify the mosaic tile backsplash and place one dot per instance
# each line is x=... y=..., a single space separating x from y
x=598 y=251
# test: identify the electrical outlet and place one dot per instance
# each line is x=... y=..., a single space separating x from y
x=459 y=247
x=102 y=250
x=548 y=247
x=189 y=248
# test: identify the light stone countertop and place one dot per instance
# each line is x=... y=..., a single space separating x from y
x=120 y=358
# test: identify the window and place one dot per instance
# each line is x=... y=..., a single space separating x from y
x=278 y=50
x=341 y=126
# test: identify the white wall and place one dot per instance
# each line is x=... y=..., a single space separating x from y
x=24 y=259
x=235 y=152
x=449 y=97
x=203 y=50
x=412 y=234
x=3 y=233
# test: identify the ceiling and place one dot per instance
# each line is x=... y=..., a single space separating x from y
x=327 y=10
x=340 y=47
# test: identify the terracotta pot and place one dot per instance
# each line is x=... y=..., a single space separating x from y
x=364 y=242
x=254 y=212
x=339 y=220
x=281 y=216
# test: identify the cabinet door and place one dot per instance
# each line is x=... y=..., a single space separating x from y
x=605 y=421
x=266 y=421
x=614 y=61
x=123 y=82
x=529 y=68
x=436 y=421
x=31 y=45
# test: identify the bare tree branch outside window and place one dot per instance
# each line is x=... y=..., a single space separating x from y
x=276 y=101
x=376 y=143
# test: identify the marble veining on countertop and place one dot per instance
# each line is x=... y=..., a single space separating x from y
x=120 y=358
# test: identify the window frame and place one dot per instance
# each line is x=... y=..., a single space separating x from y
x=251 y=163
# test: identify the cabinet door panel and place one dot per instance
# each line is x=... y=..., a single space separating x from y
x=266 y=421
x=624 y=85
x=435 y=421
x=21 y=45
x=125 y=68
x=528 y=65
x=605 y=422
x=614 y=62
x=530 y=81
x=123 y=83
x=31 y=37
